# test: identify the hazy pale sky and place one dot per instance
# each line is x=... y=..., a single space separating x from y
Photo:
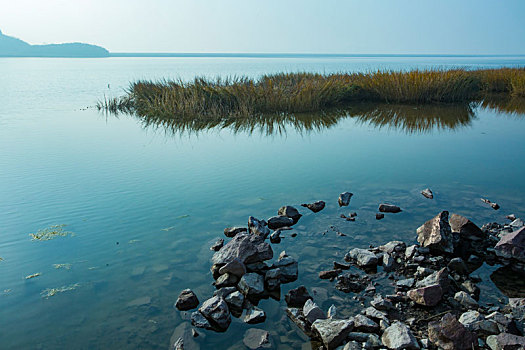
x=273 y=26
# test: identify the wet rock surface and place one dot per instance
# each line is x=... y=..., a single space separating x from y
x=315 y=207
x=187 y=300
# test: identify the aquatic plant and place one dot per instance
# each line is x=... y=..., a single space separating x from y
x=288 y=93
x=62 y=266
x=50 y=233
x=33 y=275
x=49 y=292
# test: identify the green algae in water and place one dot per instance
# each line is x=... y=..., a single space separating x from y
x=62 y=266
x=50 y=292
x=50 y=233
x=33 y=275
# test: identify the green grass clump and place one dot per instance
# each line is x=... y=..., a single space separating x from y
x=50 y=233
x=309 y=92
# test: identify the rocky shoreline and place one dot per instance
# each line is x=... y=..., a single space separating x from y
x=435 y=304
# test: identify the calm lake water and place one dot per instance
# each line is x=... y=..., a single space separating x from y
x=145 y=202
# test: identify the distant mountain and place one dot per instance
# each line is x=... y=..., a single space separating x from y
x=13 y=47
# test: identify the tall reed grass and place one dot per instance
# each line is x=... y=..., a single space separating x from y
x=308 y=92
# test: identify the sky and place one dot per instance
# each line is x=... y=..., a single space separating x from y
x=274 y=26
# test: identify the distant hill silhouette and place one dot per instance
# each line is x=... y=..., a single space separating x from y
x=13 y=47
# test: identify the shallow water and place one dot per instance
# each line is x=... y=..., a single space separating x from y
x=145 y=202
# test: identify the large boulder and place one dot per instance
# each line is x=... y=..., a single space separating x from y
x=363 y=257
x=187 y=300
x=290 y=212
x=245 y=247
x=344 y=199
x=256 y=339
x=332 y=332
x=436 y=234
x=398 y=336
x=465 y=228
x=258 y=227
x=216 y=311
x=512 y=245
x=449 y=334
x=427 y=296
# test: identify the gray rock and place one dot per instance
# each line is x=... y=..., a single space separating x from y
x=297 y=297
x=389 y=262
x=470 y=318
x=332 y=311
x=505 y=324
x=312 y=312
x=332 y=332
x=344 y=199
x=251 y=284
x=352 y=345
x=465 y=300
x=234 y=267
x=224 y=292
x=373 y=342
x=512 y=245
x=437 y=234
x=256 y=339
x=427 y=193
x=235 y=300
x=290 y=212
x=182 y=338
x=254 y=315
x=187 y=300
x=375 y=314
x=439 y=277
x=275 y=237
x=199 y=321
x=410 y=251
x=272 y=278
x=276 y=222
x=393 y=246
x=398 y=336
x=245 y=247
x=428 y=296
x=217 y=245
x=380 y=216
x=233 y=231
x=363 y=257
x=506 y=341
x=381 y=303
x=465 y=228
x=226 y=280
x=389 y=208
x=288 y=266
x=459 y=266
x=405 y=283
x=258 y=227
x=364 y=324
x=517 y=224
x=448 y=333
x=315 y=207
x=216 y=311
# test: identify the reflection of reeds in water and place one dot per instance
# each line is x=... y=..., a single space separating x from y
x=505 y=104
x=418 y=119
x=406 y=118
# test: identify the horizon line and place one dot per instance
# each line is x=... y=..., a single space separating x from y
x=292 y=55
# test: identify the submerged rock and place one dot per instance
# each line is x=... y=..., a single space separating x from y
x=512 y=245
x=448 y=333
x=344 y=199
x=436 y=234
x=187 y=300
x=332 y=332
x=398 y=336
x=258 y=227
x=380 y=216
x=297 y=297
x=315 y=207
x=427 y=193
x=389 y=208
x=245 y=247
x=272 y=278
x=216 y=311
x=182 y=338
x=256 y=339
